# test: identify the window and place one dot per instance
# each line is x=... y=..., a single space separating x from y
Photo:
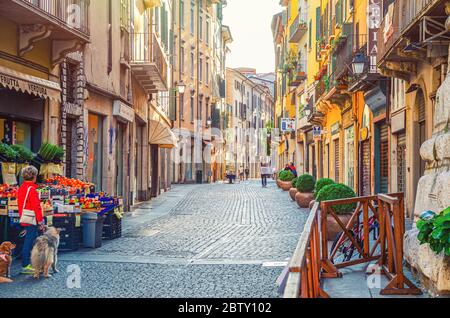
x=192 y=65
x=182 y=14
x=192 y=18
x=200 y=26
x=207 y=72
x=182 y=60
x=200 y=109
x=192 y=108
x=182 y=106
x=200 y=69
x=207 y=31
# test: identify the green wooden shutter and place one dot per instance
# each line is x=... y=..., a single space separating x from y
x=318 y=24
x=173 y=104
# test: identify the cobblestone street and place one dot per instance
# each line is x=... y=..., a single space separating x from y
x=195 y=241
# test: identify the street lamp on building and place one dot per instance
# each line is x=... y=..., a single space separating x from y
x=358 y=63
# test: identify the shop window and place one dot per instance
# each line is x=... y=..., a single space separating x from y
x=95 y=150
x=23 y=134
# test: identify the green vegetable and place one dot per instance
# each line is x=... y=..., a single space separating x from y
x=436 y=232
x=25 y=154
x=49 y=152
x=336 y=192
x=8 y=152
x=306 y=183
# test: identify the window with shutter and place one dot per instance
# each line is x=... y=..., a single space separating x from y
x=318 y=24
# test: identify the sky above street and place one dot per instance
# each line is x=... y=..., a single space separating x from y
x=250 y=23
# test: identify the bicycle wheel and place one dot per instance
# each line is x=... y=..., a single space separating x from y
x=346 y=250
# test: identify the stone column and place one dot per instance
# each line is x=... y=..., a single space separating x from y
x=433 y=193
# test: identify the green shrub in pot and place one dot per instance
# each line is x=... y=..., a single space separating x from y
x=306 y=183
x=338 y=191
x=286 y=176
x=320 y=184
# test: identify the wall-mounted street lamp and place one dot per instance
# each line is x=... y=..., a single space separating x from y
x=358 y=63
x=181 y=88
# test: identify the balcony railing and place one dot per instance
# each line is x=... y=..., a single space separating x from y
x=72 y=13
x=298 y=28
x=299 y=74
x=148 y=57
x=411 y=10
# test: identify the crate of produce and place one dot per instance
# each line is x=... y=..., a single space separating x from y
x=112 y=226
x=65 y=220
x=3 y=207
x=13 y=204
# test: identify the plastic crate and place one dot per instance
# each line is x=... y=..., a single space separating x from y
x=70 y=239
x=112 y=227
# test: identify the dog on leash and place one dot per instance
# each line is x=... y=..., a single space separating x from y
x=45 y=253
x=5 y=261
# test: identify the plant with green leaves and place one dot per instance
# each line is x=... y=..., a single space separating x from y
x=7 y=153
x=436 y=232
x=294 y=182
x=337 y=191
x=306 y=183
x=49 y=152
x=24 y=154
x=286 y=176
x=320 y=184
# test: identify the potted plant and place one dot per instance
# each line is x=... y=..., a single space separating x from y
x=7 y=153
x=305 y=186
x=24 y=155
x=320 y=184
x=293 y=191
x=286 y=178
x=344 y=211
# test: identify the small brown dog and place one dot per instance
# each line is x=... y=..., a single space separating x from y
x=5 y=261
x=45 y=253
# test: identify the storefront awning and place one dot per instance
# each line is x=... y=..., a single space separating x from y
x=29 y=84
x=161 y=135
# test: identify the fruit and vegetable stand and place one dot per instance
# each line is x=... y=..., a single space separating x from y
x=68 y=204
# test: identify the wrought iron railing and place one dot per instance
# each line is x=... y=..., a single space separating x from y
x=145 y=48
x=72 y=13
x=300 y=23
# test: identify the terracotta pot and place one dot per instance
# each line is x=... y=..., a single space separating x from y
x=292 y=193
x=278 y=183
x=304 y=199
x=311 y=204
x=333 y=228
x=286 y=185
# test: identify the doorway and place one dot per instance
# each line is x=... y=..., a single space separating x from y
x=71 y=147
x=419 y=137
x=154 y=155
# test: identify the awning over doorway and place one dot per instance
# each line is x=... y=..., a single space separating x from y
x=160 y=134
x=29 y=84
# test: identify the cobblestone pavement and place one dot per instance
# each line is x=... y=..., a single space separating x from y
x=195 y=241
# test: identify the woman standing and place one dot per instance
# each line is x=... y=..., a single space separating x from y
x=31 y=216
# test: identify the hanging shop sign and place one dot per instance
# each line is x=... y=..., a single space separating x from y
x=374 y=13
x=123 y=112
x=287 y=124
x=29 y=84
x=364 y=134
x=398 y=122
x=317 y=132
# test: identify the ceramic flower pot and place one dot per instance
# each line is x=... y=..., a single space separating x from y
x=333 y=228
x=278 y=183
x=304 y=199
x=292 y=193
x=285 y=185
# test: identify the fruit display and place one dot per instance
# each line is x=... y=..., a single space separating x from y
x=7 y=191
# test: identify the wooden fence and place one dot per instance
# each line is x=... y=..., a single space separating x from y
x=313 y=260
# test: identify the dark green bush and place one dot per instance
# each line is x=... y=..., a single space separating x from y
x=320 y=184
x=24 y=153
x=286 y=175
x=294 y=182
x=335 y=192
x=306 y=183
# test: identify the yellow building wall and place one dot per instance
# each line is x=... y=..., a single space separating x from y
x=313 y=64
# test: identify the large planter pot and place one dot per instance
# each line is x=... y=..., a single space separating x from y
x=333 y=228
x=304 y=199
x=292 y=193
x=278 y=183
x=285 y=185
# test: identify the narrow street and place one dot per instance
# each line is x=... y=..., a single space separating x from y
x=215 y=240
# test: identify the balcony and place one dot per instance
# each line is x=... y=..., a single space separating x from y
x=60 y=15
x=148 y=62
x=64 y=22
x=299 y=75
x=298 y=28
x=408 y=27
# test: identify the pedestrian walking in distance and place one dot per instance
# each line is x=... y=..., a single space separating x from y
x=265 y=173
x=247 y=173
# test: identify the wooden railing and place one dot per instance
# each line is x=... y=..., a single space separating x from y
x=374 y=231
x=305 y=266
x=72 y=13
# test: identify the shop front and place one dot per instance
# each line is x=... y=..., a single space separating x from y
x=24 y=103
